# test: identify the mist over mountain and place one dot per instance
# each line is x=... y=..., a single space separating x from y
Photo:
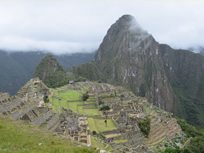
x=171 y=79
x=17 y=68
x=198 y=49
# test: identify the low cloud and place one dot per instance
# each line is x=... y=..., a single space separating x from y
x=13 y=44
x=68 y=27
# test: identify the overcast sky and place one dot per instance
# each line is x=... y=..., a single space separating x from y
x=66 y=26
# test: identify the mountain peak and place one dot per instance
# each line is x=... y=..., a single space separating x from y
x=127 y=18
x=47 y=66
x=124 y=36
x=130 y=23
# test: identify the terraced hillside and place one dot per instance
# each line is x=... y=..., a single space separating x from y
x=29 y=105
x=121 y=133
x=94 y=114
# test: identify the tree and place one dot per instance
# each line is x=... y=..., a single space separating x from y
x=94 y=132
x=145 y=126
x=46 y=99
x=85 y=96
x=105 y=108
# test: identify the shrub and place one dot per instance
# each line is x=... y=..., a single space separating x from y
x=144 y=126
x=85 y=96
x=94 y=132
x=172 y=150
x=102 y=136
x=46 y=99
x=105 y=107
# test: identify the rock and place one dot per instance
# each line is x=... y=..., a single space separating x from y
x=39 y=144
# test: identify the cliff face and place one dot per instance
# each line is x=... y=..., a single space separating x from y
x=130 y=56
x=171 y=79
x=185 y=72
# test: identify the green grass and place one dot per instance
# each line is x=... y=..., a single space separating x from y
x=73 y=105
x=98 y=125
x=97 y=143
x=73 y=95
x=92 y=125
x=84 y=89
x=147 y=108
x=91 y=112
x=21 y=137
x=55 y=105
x=70 y=95
x=89 y=102
x=80 y=110
x=102 y=127
x=120 y=141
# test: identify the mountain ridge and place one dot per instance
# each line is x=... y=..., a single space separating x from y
x=152 y=70
x=16 y=68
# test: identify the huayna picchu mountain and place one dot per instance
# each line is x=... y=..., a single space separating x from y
x=47 y=66
x=16 y=68
x=51 y=72
x=170 y=79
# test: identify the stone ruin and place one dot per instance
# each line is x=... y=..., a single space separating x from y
x=126 y=110
x=25 y=106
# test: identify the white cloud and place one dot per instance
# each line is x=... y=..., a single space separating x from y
x=67 y=26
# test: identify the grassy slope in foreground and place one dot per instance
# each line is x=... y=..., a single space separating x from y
x=21 y=137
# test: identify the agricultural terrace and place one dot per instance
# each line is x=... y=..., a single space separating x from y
x=72 y=99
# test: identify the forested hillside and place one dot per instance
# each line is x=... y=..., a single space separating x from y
x=17 y=68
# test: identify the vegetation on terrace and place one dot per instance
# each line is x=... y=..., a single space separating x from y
x=81 y=101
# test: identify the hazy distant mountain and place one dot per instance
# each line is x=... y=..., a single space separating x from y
x=171 y=79
x=18 y=67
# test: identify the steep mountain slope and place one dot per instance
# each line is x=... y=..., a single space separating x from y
x=51 y=72
x=47 y=66
x=129 y=56
x=171 y=79
x=198 y=49
x=185 y=71
x=18 y=67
